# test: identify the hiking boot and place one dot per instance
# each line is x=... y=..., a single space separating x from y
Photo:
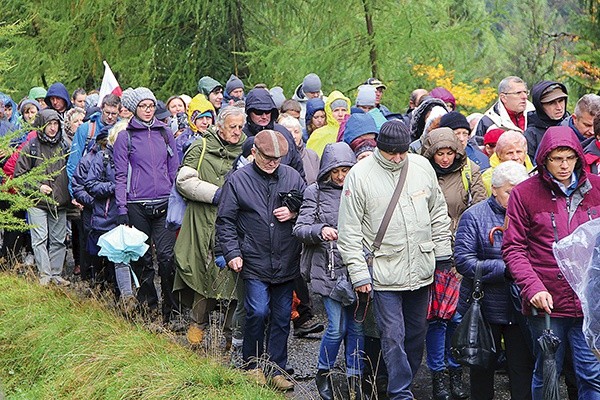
x=307 y=328
x=457 y=387
x=236 y=359
x=440 y=386
x=324 y=384
x=60 y=281
x=280 y=383
x=257 y=376
x=195 y=334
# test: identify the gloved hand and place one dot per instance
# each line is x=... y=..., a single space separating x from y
x=217 y=197
x=123 y=219
x=444 y=265
x=220 y=261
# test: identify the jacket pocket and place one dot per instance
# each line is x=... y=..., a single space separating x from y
x=426 y=263
x=418 y=200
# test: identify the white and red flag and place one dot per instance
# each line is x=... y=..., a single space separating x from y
x=109 y=84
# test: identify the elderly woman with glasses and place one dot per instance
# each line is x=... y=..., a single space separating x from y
x=473 y=247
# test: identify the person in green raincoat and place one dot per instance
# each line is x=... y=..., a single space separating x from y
x=199 y=281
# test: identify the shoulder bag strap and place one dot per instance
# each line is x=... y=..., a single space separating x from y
x=201 y=155
x=387 y=217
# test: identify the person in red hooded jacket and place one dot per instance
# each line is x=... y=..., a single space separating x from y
x=542 y=210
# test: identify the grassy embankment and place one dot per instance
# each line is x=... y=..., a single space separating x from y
x=56 y=347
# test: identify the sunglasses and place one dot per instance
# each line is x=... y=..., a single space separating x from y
x=261 y=112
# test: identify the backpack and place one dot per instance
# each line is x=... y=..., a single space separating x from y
x=466 y=173
x=90 y=136
x=34 y=149
x=170 y=152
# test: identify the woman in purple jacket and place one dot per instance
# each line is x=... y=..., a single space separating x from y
x=542 y=210
x=145 y=167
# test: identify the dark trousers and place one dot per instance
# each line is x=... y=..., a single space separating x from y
x=519 y=361
x=14 y=241
x=81 y=229
x=305 y=307
x=402 y=321
x=152 y=223
x=272 y=302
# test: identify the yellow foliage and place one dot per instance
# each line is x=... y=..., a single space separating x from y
x=473 y=97
x=582 y=69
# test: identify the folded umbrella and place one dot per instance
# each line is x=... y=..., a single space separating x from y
x=123 y=244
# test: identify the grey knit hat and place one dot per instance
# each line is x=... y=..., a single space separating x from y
x=277 y=95
x=394 y=137
x=132 y=97
x=311 y=83
x=366 y=95
x=233 y=83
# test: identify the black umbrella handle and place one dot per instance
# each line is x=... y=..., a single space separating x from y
x=535 y=313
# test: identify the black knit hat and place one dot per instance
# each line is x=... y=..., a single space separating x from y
x=394 y=137
x=455 y=120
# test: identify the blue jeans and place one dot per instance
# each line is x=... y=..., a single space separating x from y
x=272 y=302
x=342 y=326
x=438 y=341
x=402 y=321
x=587 y=367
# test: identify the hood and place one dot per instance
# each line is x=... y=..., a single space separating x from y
x=41 y=119
x=260 y=99
x=206 y=84
x=6 y=99
x=58 y=90
x=199 y=105
x=358 y=125
x=312 y=106
x=442 y=138
x=560 y=136
x=539 y=117
x=26 y=102
x=333 y=96
x=335 y=155
x=417 y=123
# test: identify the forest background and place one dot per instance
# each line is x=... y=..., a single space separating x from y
x=467 y=46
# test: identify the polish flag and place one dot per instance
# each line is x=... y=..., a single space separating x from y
x=109 y=84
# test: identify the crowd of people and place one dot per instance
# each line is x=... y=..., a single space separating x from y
x=385 y=217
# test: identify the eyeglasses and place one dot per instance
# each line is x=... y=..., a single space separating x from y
x=560 y=160
x=146 y=107
x=519 y=93
x=110 y=114
x=261 y=112
x=267 y=158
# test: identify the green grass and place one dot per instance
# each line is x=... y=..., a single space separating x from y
x=56 y=347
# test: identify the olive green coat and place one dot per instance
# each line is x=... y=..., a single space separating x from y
x=194 y=255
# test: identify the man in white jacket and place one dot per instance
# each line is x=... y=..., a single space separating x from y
x=417 y=241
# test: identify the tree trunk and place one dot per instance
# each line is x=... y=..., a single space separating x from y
x=371 y=38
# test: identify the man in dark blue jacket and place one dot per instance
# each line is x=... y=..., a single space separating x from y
x=254 y=228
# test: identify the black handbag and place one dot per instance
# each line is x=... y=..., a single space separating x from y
x=473 y=344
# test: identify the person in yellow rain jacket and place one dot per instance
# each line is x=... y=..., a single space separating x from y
x=336 y=109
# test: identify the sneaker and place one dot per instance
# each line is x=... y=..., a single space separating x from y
x=257 y=376
x=308 y=327
x=280 y=383
x=195 y=334
x=45 y=280
x=60 y=281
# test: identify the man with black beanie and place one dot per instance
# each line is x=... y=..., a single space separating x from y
x=417 y=243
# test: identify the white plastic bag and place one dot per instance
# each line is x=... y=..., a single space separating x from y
x=578 y=257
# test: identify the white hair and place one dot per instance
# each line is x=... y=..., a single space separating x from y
x=509 y=172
